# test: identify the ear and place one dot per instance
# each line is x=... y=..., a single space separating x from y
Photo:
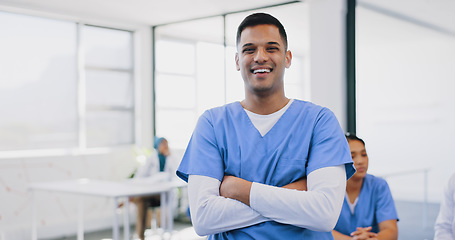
x=237 y=61
x=288 y=58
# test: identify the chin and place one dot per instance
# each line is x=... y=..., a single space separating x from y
x=358 y=175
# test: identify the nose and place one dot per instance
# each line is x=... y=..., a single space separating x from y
x=261 y=56
x=361 y=161
x=358 y=160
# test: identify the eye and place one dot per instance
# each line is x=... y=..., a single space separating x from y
x=248 y=50
x=272 y=49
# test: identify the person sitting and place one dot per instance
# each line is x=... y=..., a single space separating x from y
x=160 y=166
x=368 y=210
x=444 y=228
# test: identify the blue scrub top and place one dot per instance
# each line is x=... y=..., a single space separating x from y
x=374 y=205
x=225 y=142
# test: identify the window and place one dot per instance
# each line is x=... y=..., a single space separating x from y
x=47 y=101
x=109 y=85
x=195 y=69
x=189 y=76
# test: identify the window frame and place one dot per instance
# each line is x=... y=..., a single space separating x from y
x=82 y=108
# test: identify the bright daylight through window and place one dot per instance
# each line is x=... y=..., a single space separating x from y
x=53 y=96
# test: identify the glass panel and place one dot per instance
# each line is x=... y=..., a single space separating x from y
x=107 y=128
x=189 y=76
x=111 y=49
x=175 y=91
x=210 y=76
x=175 y=57
x=109 y=88
x=107 y=47
x=38 y=86
x=405 y=93
x=234 y=83
x=176 y=126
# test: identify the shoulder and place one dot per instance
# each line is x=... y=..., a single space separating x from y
x=308 y=106
x=375 y=179
x=377 y=183
x=221 y=111
x=311 y=111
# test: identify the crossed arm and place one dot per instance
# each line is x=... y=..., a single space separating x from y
x=236 y=203
x=239 y=189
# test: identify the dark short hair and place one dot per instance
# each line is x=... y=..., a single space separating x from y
x=260 y=19
x=352 y=136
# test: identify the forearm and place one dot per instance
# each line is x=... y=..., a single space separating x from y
x=212 y=213
x=387 y=234
x=388 y=230
x=339 y=236
x=239 y=189
x=316 y=209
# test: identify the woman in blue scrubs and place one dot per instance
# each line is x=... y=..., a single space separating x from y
x=368 y=210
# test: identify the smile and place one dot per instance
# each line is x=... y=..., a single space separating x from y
x=261 y=70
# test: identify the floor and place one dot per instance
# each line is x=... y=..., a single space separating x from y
x=182 y=231
x=416 y=223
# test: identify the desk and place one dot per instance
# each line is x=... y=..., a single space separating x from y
x=111 y=189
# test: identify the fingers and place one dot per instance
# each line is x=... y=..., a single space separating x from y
x=363 y=233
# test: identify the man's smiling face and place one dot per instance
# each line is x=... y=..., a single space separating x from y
x=262 y=58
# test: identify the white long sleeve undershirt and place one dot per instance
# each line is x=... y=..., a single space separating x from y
x=316 y=209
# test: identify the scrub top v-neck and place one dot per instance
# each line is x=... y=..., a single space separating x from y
x=264 y=123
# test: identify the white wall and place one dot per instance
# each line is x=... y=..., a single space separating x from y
x=327 y=56
x=406 y=103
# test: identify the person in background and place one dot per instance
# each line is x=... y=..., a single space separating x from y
x=368 y=210
x=248 y=162
x=160 y=166
x=444 y=228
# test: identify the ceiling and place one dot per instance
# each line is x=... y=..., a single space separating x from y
x=437 y=14
x=143 y=12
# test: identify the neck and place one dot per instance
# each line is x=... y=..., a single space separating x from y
x=354 y=185
x=264 y=105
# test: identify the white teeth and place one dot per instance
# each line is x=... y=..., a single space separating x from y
x=262 y=70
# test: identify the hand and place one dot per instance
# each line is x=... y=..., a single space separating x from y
x=363 y=234
x=236 y=188
x=300 y=185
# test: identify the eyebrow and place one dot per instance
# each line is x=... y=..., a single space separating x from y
x=273 y=43
x=269 y=43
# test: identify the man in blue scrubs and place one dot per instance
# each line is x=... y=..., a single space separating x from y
x=267 y=167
